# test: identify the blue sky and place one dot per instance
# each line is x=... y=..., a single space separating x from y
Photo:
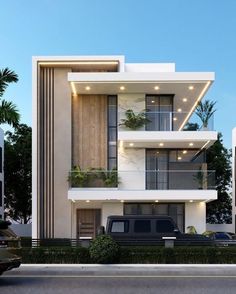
x=196 y=35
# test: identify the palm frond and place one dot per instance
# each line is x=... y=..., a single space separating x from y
x=9 y=113
x=205 y=110
x=7 y=76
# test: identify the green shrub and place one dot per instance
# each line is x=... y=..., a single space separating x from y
x=104 y=249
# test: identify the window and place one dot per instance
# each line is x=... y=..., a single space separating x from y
x=112 y=131
x=120 y=226
x=0 y=193
x=142 y=226
x=159 y=113
x=0 y=159
x=164 y=226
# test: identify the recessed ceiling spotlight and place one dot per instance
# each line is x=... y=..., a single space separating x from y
x=122 y=201
x=153 y=101
x=122 y=88
x=175 y=118
x=156 y=201
x=191 y=201
x=190 y=144
x=179 y=109
x=87 y=201
x=161 y=144
x=185 y=151
x=191 y=87
x=156 y=87
x=87 y=88
x=185 y=99
x=179 y=157
x=131 y=144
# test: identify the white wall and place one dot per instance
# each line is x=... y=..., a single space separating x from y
x=220 y=227
x=131 y=161
x=2 y=173
x=195 y=215
x=109 y=208
x=233 y=179
x=150 y=67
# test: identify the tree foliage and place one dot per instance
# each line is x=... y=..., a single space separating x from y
x=218 y=159
x=17 y=171
x=8 y=111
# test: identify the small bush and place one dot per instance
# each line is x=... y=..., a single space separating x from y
x=104 y=250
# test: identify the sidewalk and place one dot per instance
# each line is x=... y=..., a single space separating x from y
x=118 y=270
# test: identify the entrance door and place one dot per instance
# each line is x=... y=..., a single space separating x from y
x=88 y=220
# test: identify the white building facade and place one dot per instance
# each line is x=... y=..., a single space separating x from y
x=1 y=174
x=114 y=138
x=233 y=180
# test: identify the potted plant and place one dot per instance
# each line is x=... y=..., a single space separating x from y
x=204 y=111
x=134 y=121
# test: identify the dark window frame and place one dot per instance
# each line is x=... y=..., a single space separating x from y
x=109 y=128
x=172 y=106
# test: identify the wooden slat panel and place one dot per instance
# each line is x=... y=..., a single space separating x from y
x=90 y=131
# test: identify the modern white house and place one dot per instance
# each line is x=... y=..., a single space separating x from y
x=1 y=174
x=233 y=179
x=112 y=138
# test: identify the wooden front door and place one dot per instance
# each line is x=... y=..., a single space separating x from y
x=88 y=221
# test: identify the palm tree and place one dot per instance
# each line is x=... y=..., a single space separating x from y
x=205 y=110
x=8 y=111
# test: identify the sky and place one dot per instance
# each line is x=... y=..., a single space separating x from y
x=196 y=35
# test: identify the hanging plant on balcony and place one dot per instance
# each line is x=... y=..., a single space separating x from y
x=134 y=121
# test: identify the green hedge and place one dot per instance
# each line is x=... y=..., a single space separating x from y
x=53 y=255
x=178 y=255
x=154 y=255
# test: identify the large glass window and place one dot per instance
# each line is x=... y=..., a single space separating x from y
x=112 y=132
x=159 y=112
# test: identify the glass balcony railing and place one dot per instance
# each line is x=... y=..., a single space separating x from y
x=144 y=180
x=130 y=120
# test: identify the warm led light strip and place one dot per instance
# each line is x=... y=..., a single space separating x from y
x=195 y=104
x=78 y=62
x=73 y=88
x=205 y=144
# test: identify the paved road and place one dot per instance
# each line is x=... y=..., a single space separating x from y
x=158 y=280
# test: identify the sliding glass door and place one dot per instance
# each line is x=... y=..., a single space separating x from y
x=157 y=169
x=159 y=112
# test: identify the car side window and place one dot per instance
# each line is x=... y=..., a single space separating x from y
x=120 y=226
x=142 y=226
x=164 y=226
x=221 y=236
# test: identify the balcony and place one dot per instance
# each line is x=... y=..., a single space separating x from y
x=130 y=120
x=164 y=130
x=143 y=180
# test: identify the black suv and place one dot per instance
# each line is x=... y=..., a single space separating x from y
x=8 y=239
x=150 y=230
